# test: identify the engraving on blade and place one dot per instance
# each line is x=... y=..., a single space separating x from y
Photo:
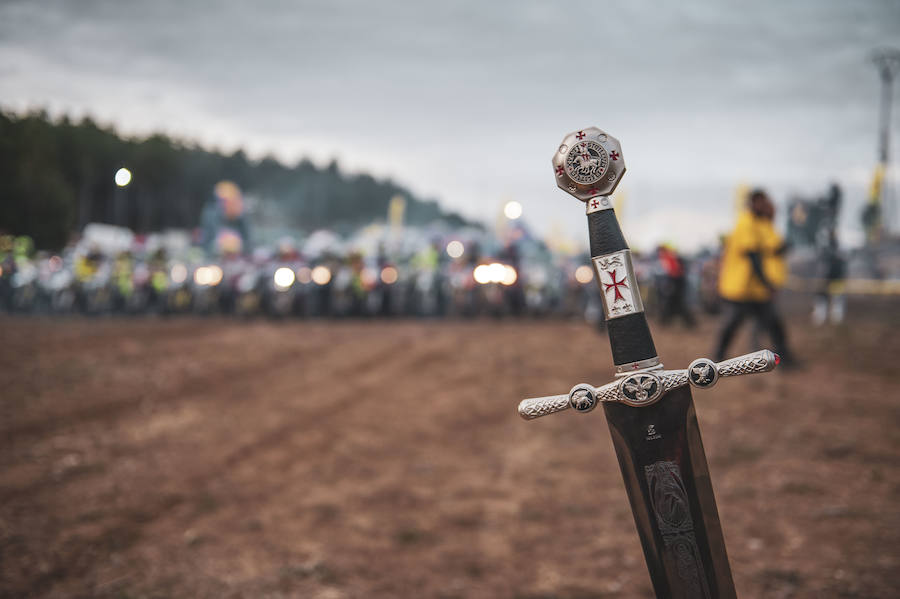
x=669 y=501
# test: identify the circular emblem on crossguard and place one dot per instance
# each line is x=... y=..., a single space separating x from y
x=589 y=163
x=640 y=389
x=702 y=373
x=583 y=397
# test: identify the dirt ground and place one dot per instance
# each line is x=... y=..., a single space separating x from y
x=213 y=458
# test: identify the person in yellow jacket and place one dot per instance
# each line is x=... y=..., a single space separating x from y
x=753 y=268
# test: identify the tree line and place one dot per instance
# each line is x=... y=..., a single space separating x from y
x=57 y=175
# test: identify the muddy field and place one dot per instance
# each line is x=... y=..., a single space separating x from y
x=212 y=458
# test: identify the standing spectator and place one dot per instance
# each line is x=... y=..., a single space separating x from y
x=224 y=211
x=830 y=301
x=673 y=287
x=753 y=268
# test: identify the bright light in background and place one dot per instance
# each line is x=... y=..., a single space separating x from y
x=512 y=210
x=321 y=275
x=495 y=273
x=123 y=177
x=389 y=275
x=208 y=275
x=482 y=274
x=215 y=275
x=201 y=276
x=178 y=273
x=304 y=275
x=283 y=278
x=584 y=274
x=455 y=249
x=510 y=276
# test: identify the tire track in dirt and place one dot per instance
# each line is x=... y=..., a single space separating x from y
x=274 y=439
x=266 y=367
x=276 y=358
x=285 y=366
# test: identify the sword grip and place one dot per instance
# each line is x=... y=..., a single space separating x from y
x=629 y=336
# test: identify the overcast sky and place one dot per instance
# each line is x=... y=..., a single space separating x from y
x=465 y=102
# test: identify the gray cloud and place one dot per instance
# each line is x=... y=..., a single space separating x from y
x=465 y=101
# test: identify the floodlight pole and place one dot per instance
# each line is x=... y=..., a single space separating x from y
x=887 y=61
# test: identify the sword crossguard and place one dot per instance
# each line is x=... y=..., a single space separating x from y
x=646 y=387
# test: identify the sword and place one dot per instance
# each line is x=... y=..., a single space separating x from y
x=649 y=410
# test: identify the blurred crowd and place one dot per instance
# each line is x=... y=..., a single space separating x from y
x=374 y=272
x=381 y=270
x=391 y=270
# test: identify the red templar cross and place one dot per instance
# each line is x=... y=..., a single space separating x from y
x=559 y=171
x=594 y=203
x=614 y=155
x=615 y=285
x=580 y=135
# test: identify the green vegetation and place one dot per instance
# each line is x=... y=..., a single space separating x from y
x=56 y=176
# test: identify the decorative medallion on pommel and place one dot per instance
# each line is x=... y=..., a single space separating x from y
x=588 y=164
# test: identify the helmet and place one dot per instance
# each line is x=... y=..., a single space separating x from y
x=230 y=199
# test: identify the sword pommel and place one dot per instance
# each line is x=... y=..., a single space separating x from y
x=646 y=387
x=588 y=164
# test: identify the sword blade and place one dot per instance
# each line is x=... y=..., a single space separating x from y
x=664 y=467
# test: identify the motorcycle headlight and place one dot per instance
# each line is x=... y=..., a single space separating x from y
x=178 y=273
x=202 y=276
x=321 y=275
x=584 y=274
x=215 y=274
x=389 y=275
x=510 y=276
x=482 y=274
x=283 y=278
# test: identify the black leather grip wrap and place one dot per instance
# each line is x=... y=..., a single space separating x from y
x=629 y=336
x=606 y=236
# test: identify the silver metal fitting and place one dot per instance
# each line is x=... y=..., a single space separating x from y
x=646 y=387
x=589 y=164
x=619 y=289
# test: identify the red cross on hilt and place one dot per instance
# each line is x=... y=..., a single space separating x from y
x=593 y=191
x=614 y=155
x=560 y=171
x=594 y=203
x=580 y=135
x=615 y=285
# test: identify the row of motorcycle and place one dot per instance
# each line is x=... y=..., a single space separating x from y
x=282 y=286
